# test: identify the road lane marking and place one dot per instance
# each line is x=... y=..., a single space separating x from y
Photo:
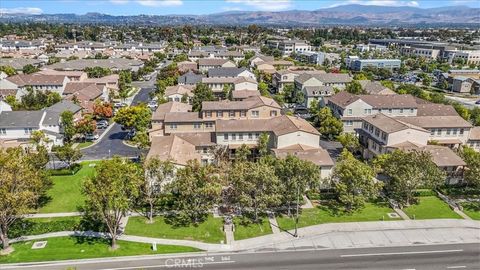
x=401 y=253
x=185 y=265
x=456 y=267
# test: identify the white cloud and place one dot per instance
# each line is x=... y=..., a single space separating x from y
x=119 y=2
x=160 y=3
x=265 y=5
x=24 y=10
x=390 y=3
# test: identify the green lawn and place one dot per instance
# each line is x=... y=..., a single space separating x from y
x=66 y=193
x=67 y=248
x=84 y=144
x=430 y=207
x=244 y=230
x=322 y=214
x=472 y=209
x=210 y=231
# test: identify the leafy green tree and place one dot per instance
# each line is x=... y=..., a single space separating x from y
x=9 y=70
x=255 y=186
x=328 y=125
x=66 y=120
x=349 y=141
x=68 y=154
x=22 y=184
x=263 y=88
x=228 y=91
x=134 y=117
x=29 y=69
x=462 y=110
x=295 y=176
x=196 y=189
x=355 y=88
x=86 y=125
x=39 y=139
x=141 y=139
x=262 y=144
x=472 y=158
x=242 y=153
x=157 y=174
x=388 y=84
x=314 y=107
x=408 y=171
x=354 y=182
x=97 y=72
x=201 y=93
x=36 y=100
x=111 y=192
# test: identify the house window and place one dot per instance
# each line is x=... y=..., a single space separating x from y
x=196 y=125
x=209 y=125
x=439 y=132
x=273 y=113
x=231 y=113
x=449 y=131
x=242 y=113
x=461 y=131
x=250 y=136
x=432 y=132
x=368 y=111
x=3 y=131
x=219 y=114
x=349 y=112
x=234 y=137
x=255 y=113
x=225 y=137
x=257 y=135
x=208 y=114
x=411 y=111
x=173 y=126
x=401 y=111
x=455 y=131
x=349 y=123
x=28 y=130
x=240 y=136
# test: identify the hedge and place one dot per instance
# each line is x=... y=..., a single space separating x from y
x=67 y=171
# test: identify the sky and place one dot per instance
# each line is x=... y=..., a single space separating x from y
x=198 y=7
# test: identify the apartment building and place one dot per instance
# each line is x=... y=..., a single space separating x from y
x=352 y=108
x=418 y=51
x=468 y=57
x=288 y=47
x=360 y=64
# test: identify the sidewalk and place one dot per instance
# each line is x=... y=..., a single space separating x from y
x=327 y=236
x=53 y=215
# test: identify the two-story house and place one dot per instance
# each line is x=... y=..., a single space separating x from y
x=205 y=64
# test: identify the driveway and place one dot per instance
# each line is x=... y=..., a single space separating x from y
x=111 y=143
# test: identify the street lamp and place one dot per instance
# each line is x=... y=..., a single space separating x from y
x=296 y=214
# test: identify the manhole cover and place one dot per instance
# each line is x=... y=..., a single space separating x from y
x=393 y=215
x=39 y=245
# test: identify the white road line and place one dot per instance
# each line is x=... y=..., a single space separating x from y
x=401 y=253
x=456 y=267
x=172 y=265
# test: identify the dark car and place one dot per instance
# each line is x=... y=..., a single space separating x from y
x=478 y=102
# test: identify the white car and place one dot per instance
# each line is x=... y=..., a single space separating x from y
x=91 y=137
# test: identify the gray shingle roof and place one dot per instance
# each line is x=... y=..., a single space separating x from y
x=20 y=119
x=225 y=72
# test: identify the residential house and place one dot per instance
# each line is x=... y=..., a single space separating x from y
x=114 y=64
x=217 y=84
x=38 y=82
x=204 y=64
x=186 y=66
x=375 y=88
x=240 y=95
x=474 y=139
x=86 y=93
x=253 y=107
x=287 y=77
x=190 y=78
x=178 y=93
x=158 y=117
x=258 y=58
x=230 y=72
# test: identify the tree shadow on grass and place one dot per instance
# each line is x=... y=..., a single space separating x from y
x=79 y=240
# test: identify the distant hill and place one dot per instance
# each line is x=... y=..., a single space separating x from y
x=341 y=15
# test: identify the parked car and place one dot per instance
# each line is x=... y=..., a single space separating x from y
x=102 y=124
x=91 y=137
x=152 y=105
x=478 y=102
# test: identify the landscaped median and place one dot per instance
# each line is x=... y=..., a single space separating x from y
x=69 y=248
x=430 y=207
x=324 y=214
x=209 y=231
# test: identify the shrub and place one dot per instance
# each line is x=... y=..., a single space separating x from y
x=37 y=226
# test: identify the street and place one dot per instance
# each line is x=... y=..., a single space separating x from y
x=111 y=143
x=434 y=257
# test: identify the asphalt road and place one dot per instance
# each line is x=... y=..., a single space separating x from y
x=436 y=257
x=111 y=144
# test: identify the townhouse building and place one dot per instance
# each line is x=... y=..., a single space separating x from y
x=474 y=139
x=179 y=93
x=217 y=84
x=204 y=64
x=352 y=108
x=38 y=82
x=288 y=47
x=382 y=134
x=230 y=72
x=287 y=77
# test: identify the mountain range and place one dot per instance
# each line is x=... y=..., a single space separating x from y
x=353 y=14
